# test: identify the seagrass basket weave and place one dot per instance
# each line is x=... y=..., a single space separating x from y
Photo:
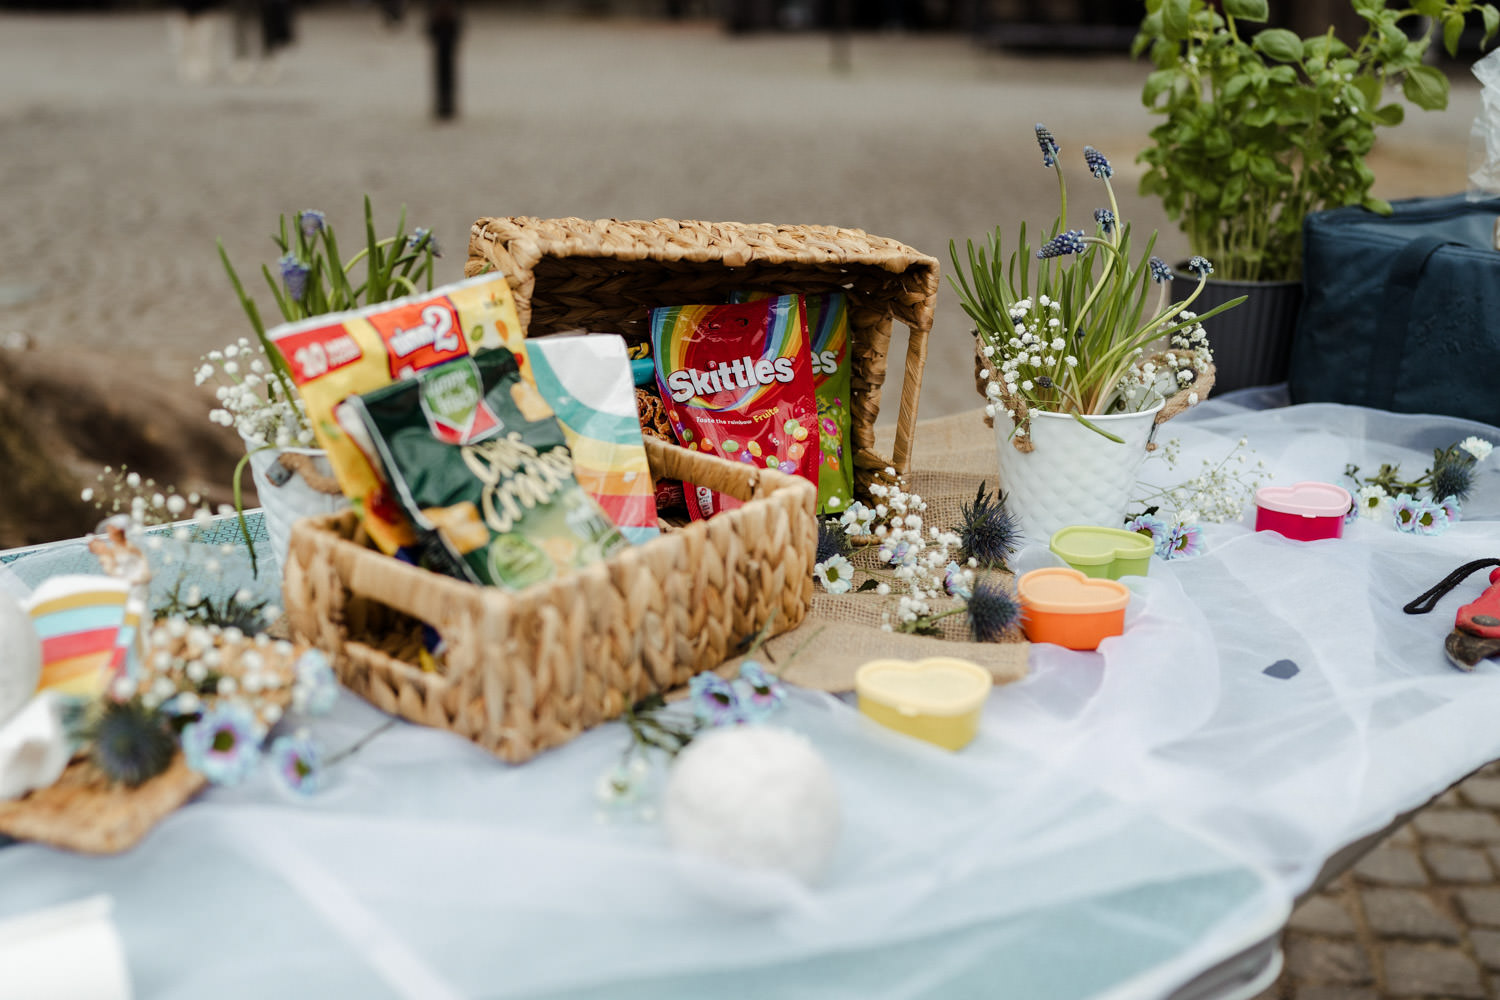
x=604 y=275
x=530 y=670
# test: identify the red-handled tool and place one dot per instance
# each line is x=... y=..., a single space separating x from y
x=1476 y=630
x=1476 y=627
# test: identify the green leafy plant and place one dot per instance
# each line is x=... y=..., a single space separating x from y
x=1065 y=327
x=1262 y=127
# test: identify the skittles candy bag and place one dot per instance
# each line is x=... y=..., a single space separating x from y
x=737 y=382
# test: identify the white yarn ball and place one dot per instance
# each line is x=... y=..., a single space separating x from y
x=755 y=797
x=20 y=657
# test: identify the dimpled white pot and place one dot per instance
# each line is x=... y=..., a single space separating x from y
x=1072 y=475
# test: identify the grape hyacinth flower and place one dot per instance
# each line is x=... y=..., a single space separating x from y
x=1160 y=272
x=422 y=239
x=1106 y=220
x=298 y=762
x=1069 y=241
x=1098 y=164
x=224 y=744
x=293 y=276
x=714 y=699
x=1200 y=266
x=1050 y=149
x=311 y=222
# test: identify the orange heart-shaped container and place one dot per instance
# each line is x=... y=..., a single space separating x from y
x=1067 y=608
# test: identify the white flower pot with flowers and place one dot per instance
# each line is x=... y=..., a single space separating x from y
x=1075 y=368
x=293 y=477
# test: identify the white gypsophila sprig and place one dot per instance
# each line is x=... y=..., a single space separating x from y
x=1218 y=493
x=251 y=400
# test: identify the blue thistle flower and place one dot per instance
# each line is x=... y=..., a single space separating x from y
x=1049 y=145
x=992 y=610
x=293 y=276
x=130 y=743
x=311 y=222
x=1200 y=266
x=1160 y=272
x=1452 y=474
x=1069 y=241
x=988 y=532
x=1106 y=220
x=1098 y=164
x=832 y=540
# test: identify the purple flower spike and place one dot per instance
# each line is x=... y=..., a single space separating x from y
x=311 y=222
x=1098 y=164
x=1070 y=241
x=1106 y=220
x=1049 y=145
x=1200 y=266
x=714 y=700
x=1160 y=272
x=293 y=276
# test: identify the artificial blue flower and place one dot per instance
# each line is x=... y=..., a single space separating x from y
x=765 y=692
x=1160 y=272
x=1404 y=512
x=1452 y=508
x=1069 y=241
x=714 y=699
x=1049 y=145
x=953 y=581
x=1153 y=528
x=1106 y=220
x=311 y=222
x=293 y=276
x=224 y=744
x=298 y=762
x=1098 y=165
x=836 y=574
x=1200 y=266
x=1184 y=540
x=316 y=688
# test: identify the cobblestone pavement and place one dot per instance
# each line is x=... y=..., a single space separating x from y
x=1419 y=916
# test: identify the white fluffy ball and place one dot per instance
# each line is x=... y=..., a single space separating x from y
x=20 y=657
x=755 y=797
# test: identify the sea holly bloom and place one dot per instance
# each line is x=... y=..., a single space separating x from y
x=835 y=574
x=311 y=222
x=1476 y=446
x=714 y=699
x=992 y=609
x=293 y=275
x=765 y=693
x=1066 y=242
x=298 y=762
x=1452 y=474
x=1098 y=164
x=1106 y=219
x=1049 y=146
x=1200 y=266
x=1184 y=540
x=224 y=744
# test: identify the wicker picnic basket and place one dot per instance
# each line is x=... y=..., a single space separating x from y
x=527 y=671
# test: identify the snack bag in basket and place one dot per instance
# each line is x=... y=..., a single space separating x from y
x=480 y=465
x=737 y=382
x=588 y=383
x=828 y=339
x=338 y=355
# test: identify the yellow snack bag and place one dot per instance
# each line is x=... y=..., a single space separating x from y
x=338 y=355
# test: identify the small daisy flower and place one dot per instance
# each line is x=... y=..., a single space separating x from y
x=1153 y=528
x=765 y=692
x=298 y=762
x=1185 y=540
x=224 y=744
x=835 y=574
x=1404 y=511
x=1476 y=446
x=1372 y=501
x=714 y=700
x=1452 y=509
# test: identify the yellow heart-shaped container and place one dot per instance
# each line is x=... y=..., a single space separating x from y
x=938 y=699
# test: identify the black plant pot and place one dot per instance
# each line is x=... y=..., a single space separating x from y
x=1252 y=343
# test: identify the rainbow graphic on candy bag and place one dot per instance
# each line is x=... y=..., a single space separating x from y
x=736 y=381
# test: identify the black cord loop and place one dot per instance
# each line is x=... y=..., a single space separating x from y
x=1429 y=600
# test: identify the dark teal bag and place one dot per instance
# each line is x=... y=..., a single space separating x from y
x=1401 y=312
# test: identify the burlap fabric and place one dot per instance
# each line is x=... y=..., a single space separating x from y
x=952 y=457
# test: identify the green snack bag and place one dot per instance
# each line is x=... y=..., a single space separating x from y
x=479 y=463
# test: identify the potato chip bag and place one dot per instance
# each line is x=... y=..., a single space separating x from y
x=828 y=339
x=480 y=465
x=338 y=355
x=737 y=382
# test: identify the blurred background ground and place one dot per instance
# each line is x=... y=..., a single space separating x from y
x=116 y=178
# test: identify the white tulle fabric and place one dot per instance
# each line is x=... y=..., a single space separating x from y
x=1126 y=818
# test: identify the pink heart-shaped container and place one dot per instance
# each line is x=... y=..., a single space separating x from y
x=1304 y=512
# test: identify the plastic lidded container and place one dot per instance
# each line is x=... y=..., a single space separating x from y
x=938 y=699
x=1067 y=608
x=1105 y=553
x=1306 y=511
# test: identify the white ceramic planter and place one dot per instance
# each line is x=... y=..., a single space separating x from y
x=1073 y=475
x=286 y=497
